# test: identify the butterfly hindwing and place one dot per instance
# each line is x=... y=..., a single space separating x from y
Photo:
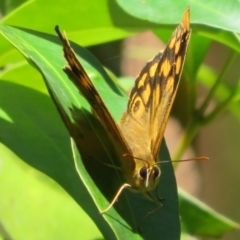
x=79 y=77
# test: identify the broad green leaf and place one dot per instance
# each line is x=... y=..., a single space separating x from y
x=31 y=127
x=23 y=74
x=87 y=22
x=229 y=39
x=199 y=219
x=96 y=23
x=222 y=15
x=36 y=207
x=209 y=18
x=124 y=220
x=8 y=55
x=107 y=21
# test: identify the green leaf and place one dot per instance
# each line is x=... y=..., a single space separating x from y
x=31 y=127
x=107 y=22
x=199 y=219
x=31 y=197
x=208 y=18
x=94 y=192
x=209 y=13
x=8 y=55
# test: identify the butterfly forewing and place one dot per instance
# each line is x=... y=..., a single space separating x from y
x=154 y=92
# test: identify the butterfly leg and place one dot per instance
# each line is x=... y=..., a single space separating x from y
x=125 y=185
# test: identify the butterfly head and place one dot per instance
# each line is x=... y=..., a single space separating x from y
x=146 y=175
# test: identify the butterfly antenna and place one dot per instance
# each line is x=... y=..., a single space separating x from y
x=202 y=158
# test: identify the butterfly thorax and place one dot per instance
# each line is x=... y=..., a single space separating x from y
x=139 y=164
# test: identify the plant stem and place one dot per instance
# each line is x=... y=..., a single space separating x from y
x=198 y=118
x=210 y=95
x=219 y=109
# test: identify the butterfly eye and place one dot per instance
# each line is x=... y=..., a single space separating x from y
x=143 y=172
x=156 y=172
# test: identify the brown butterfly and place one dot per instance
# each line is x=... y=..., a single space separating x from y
x=138 y=137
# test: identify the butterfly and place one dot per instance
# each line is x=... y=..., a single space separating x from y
x=138 y=136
